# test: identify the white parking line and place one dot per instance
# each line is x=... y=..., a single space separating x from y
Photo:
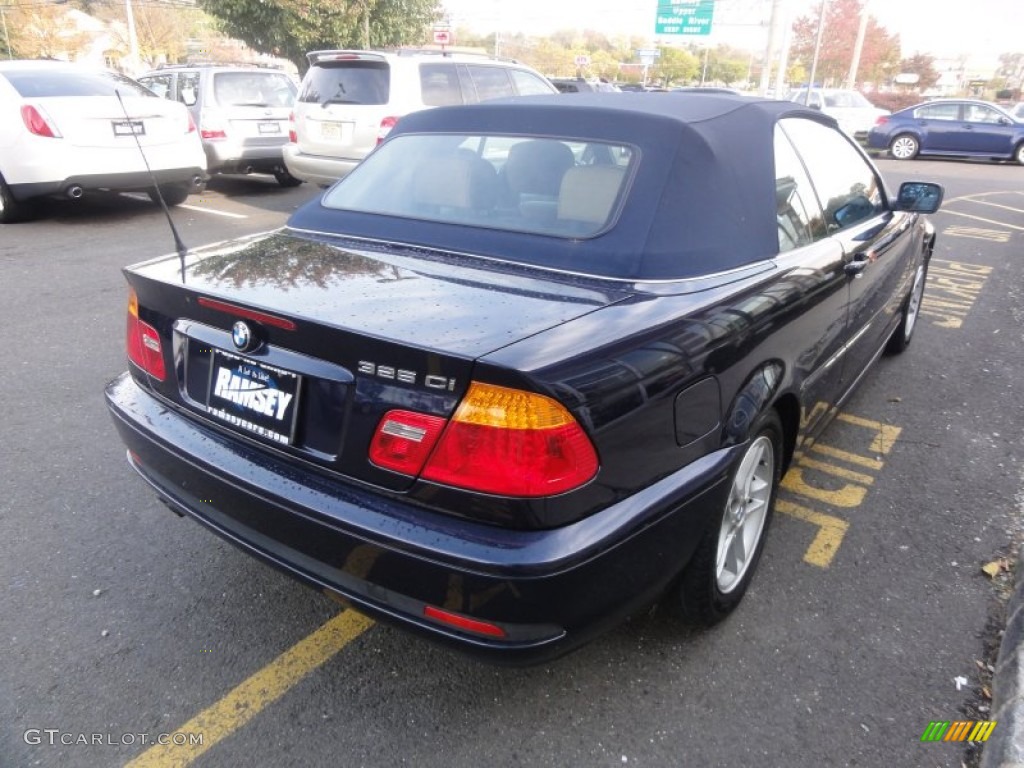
x=987 y=221
x=211 y=210
x=994 y=205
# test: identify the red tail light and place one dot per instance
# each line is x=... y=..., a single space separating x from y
x=191 y=124
x=38 y=123
x=881 y=120
x=292 y=136
x=143 y=342
x=503 y=441
x=385 y=128
x=207 y=133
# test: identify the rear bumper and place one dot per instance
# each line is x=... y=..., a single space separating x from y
x=548 y=590
x=316 y=169
x=117 y=182
x=235 y=157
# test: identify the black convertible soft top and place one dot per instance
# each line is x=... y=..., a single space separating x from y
x=702 y=199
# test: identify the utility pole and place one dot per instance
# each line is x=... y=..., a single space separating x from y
x=851 y=79
x=817 y=51
x=787 y=41
x=133 y=40
x=769 y=51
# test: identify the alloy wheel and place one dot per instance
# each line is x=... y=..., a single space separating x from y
x=916 y=294
x=745 y=514
x=904 y=147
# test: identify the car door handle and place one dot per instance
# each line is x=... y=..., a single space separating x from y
x=856 y=266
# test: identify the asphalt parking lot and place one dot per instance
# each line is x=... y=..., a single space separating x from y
x=123 y=625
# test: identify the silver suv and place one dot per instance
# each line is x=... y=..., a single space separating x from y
x=242 y=113
x=349 y=100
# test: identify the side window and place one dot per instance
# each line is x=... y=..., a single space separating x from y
x=439 y=85
x=159 y=84
x=847 y=186
x=528 y=84
x=796 y=207
x=188 y=88
x=490 y=82
x=938 y=112
x=979 y=113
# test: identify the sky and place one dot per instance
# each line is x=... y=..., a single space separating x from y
x=981 y=29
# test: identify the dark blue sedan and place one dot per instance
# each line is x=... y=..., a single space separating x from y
x=961 y=128
x=531 y=365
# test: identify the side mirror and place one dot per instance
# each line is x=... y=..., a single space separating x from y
x=919 y=197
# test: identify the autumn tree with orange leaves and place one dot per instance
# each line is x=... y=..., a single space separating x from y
x=880 y=56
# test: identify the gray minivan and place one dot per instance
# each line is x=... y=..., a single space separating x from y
x=241 y=112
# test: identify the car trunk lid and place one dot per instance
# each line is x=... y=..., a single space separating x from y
x=345 y=334
x=101 y=122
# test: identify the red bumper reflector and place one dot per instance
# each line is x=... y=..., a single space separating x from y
x=463 y=622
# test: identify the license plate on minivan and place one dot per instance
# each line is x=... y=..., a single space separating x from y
x=336 y=131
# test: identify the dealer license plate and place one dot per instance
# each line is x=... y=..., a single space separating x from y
x=258 y=398
x=128 y=127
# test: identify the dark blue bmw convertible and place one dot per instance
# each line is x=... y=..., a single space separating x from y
x=533 y=365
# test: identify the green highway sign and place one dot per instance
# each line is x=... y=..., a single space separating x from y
x=684 y=17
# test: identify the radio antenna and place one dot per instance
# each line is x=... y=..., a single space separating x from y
x=178 y=243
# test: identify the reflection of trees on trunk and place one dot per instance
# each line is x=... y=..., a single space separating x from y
x=283 y=263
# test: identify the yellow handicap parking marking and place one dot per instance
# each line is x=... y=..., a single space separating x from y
x=834 y=480
x=975 y=233
x=953 y=288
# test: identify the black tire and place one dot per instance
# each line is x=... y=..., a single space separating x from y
x=904 y=332
x=714 y=581
x=904 y=147
x=11 y=210
x=285 y=179
x=174 y=194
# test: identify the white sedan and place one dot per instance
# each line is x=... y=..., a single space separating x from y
x=66 y=130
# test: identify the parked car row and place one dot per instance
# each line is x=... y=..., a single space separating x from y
x=250 y=119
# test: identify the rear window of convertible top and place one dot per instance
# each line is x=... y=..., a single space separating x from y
x=558 y=187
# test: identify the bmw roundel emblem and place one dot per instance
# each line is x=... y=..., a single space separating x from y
x=241 y=336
